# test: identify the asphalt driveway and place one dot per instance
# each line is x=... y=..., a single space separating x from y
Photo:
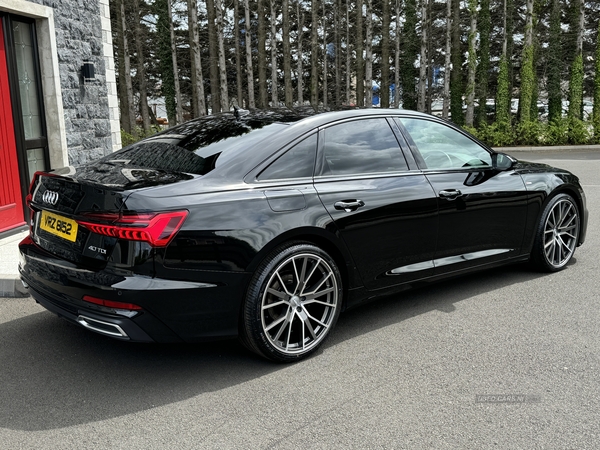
x=507 y=358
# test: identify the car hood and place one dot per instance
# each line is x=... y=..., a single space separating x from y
x=524 y=167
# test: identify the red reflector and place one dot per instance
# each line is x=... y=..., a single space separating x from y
x=111 y=304
x=158 y=229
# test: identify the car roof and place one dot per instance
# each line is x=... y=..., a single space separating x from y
x=256 y=154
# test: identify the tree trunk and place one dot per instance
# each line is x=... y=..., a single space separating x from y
x=249 y=71
x=164 y=56
x=527 y=68
x=325 y=69
x=447 y=63
x=576 y=82
x=238 y=56
x=126 y=91
x=410 y=47
x=424 y=58
x=384 y=92
x=300 y=56
x=198 y=103
x=360 y=67
x=430 y=60
x=338 y=53
x=555 y=64
x=287 y=59
x=510 y=43
x=472 y=65
x=348 y=55
x=596 y=110
x=141 y=67
x=503 y=96
x=369 y=56
x=397 y=59
x=213 y=54
x=262 y=55
x=456 y=85
x=179 y=106
x=223 y=94
x=483 y=68
x=581 y=29
x=274 y=86
x=314 y=55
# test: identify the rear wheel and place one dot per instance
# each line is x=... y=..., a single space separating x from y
x=292 y=304
x=557 y=234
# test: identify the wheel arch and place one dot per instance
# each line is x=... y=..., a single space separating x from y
x=542 y=187
x=572 y=191
x=323 y=239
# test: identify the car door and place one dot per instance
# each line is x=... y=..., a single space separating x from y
x=482 y=210
x=385 y=211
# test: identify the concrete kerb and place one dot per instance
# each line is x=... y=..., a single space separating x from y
x=11 y=286
x=10 y=283
x=555 y=148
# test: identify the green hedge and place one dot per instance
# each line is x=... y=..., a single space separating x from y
x=562 y=131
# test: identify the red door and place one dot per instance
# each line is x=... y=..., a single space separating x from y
x=11 y=205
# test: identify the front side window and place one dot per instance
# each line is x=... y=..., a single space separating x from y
x=442 y=147
x=297 y=162
x=361 y=146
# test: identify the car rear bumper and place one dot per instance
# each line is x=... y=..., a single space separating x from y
x=115 y=327
x=172 y=310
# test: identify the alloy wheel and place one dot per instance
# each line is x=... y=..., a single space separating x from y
x=561 y=231
x=299 y=303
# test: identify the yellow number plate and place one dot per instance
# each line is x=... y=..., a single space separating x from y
x=59 y=226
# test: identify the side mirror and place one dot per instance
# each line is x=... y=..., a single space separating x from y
x=502 y=161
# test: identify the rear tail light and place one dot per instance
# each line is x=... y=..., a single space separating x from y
x=29 y=198
x=33 y=183
x=111 y=303
x=157 y=229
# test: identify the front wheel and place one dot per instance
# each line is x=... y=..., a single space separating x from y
x=292 y=304
x=557 y=234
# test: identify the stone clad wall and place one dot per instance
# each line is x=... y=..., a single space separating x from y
x=79 y=38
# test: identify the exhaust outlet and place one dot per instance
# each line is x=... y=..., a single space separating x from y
x=106 y=328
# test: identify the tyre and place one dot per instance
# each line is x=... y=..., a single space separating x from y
x=292 y=303
x=556 y=235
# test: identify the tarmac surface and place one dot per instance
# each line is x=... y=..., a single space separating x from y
x=507 y=358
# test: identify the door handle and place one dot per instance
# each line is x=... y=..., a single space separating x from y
x=348 y=205
x=450 y=194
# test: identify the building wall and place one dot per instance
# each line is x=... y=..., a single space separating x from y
x=90 y=108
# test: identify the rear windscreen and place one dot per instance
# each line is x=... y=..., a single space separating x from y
x=200 y=145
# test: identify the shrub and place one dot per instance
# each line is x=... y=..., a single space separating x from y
x=128 y=139
x=529 y=133
x=578 y=131
x=557 y=132
x=497 y=134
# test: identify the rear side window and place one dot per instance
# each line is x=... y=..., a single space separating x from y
x=361 y=146
x=297 y=162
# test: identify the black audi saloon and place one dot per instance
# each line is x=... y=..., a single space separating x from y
x=265 y=225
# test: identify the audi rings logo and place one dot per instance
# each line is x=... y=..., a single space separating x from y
x=50 y=197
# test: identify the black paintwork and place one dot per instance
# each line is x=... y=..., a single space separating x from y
x=400 y=231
